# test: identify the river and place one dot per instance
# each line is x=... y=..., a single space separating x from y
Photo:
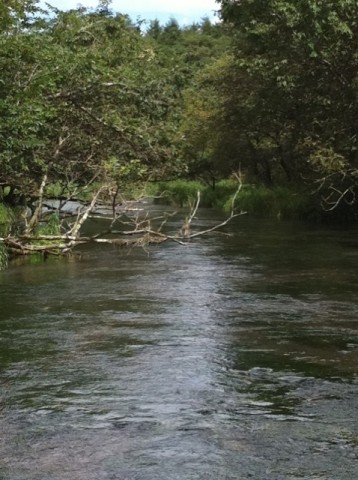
x=234 y=357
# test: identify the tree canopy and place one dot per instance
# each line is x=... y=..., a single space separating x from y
x=82 y=93
x=288 y=96
x=271 y=89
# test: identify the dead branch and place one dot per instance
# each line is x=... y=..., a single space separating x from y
x=83 y=217
x=329 y=204
x=195 y=209
x=215 y=227
x=185 y=230
x=35 y=219
x=138 y=228
x=187 y=233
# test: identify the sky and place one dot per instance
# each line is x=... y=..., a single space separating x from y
x=185 y=11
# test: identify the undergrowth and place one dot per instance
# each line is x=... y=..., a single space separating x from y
x=257 y=201
x=279 y=202
x=6 y=220
x=51 y=227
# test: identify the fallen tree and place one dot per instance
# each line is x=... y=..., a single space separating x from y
x=128 y=223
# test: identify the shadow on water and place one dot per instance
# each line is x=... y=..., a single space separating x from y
x=230 y=358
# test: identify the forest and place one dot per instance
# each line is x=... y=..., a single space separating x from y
x=93 y=104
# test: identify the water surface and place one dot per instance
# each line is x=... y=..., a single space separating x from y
x=229 y=358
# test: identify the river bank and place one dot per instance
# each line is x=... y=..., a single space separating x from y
x=49 y=232
x=257 y=200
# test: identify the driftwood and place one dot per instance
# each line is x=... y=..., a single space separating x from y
x=126 y=227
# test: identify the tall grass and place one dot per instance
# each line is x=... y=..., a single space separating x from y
x=258 y=201
x=51 y=227
x=219 y=196
x=279 y=202
x=6 y=219
x=178 y=192
x=4 y=257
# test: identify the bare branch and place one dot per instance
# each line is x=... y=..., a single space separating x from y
x=334 y=204
x=216 y=227
x=141 y=231
x=188 y=235
x=37 y=214
x=83 y=217
x=192 y=216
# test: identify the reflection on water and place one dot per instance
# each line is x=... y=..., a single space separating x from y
x=231 y=358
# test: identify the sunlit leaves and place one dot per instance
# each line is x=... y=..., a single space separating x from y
x=79 y=89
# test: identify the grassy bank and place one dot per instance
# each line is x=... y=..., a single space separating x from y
x=7 y=216
x=258 y=201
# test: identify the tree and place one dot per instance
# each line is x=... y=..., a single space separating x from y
x=15 y=14
x=154 y=30
x=186 y=57
x=87 y=99
x=300 y=62
x=80 y=88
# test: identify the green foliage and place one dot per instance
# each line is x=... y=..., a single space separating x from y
x=4 y=257
x=79 y=88
x=126 y=173
x=6 y=219
x=179 y=192
x=270 y=91
x=257 y=201
x=184 y=192
x=326 y=160
x=59 y=189
x=279 y=202
x=206 y=149
x=281 y=104
x=86 y=95
x=51 y=227
x=219 y=196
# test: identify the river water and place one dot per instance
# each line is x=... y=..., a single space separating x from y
x=229 y=358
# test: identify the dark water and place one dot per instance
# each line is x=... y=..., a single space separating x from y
x=230 y=358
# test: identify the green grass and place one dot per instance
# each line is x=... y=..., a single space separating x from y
x=279 y=202
x=4 y=257
x=6 y=218
x=178 y=192
x=221 y=195
x=258 y=201
x=51 y=227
